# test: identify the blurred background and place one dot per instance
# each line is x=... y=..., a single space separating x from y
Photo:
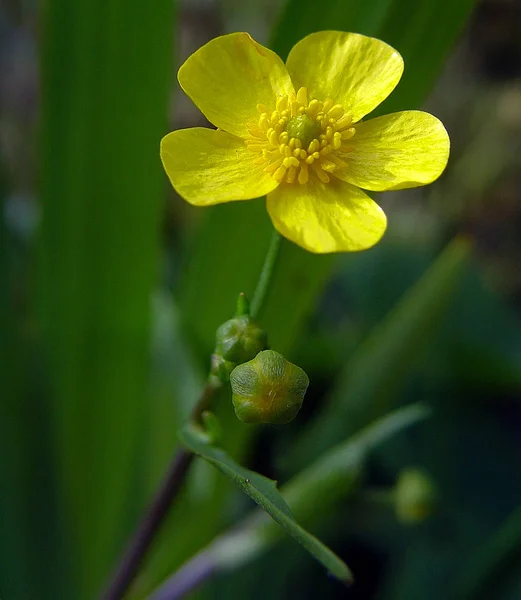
x=111 y=288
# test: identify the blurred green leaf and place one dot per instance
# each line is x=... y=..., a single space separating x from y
x=106 y=74
x=264 y=492
x=15 y=468
x=490 y=566
x=381 y=364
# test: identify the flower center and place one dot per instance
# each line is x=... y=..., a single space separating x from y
x=301 y=137
x=303 y=128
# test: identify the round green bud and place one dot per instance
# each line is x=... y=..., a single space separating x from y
x=415 y=496
x=268 y=389
x=240 y=339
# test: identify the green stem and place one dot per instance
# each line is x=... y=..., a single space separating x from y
x=266 y=275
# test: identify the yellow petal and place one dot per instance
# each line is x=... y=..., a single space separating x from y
x=353 y=70
x=207 y=167
x=229 y=76
x=326 y=217
x=397 y=151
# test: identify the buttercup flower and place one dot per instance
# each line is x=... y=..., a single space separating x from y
x=294 y=132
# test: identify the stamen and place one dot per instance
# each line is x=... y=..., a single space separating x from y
x=299 y=132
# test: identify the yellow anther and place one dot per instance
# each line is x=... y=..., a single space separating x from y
x=262 y=108
x=310 y=159
x=348 y=133
x=298 y=143
x=313 y=146
x=291 y=175
x=273 y=137
x=302 y=96
x=258 y=133
x=316 y=155
x=303 y=176
x=294 y=108
x=329 y=133
x=290 y=161
x=313 y=108
x=297 y=152
x=274 y=166
x=337 y=140
x=279 y=173
x=282 y=103
x=284 y=137
x=287 y=151
x=345 y=121
x=336 y=112
x=275 y=116
x=328 y=103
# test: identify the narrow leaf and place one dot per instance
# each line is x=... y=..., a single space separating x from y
x=106 y=73
x=313 y=493
x=264 y=492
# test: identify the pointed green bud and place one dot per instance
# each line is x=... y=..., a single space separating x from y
x=240 y=339
x=415 y=496
x=268 y=389
x=243 y=305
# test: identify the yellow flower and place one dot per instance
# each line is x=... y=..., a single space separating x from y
x=294 y=132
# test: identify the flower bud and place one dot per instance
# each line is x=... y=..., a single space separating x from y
x=240 y=339
x=268 y=389
x=415 y=496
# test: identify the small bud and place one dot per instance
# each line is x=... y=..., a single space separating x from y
x=415 y=496
x=240 y=339
x=220 y=368
x=268 y=389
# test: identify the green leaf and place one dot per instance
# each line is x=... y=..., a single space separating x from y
x=106 y=74
x=381 y=364
x=264 y=492
x=313 y=494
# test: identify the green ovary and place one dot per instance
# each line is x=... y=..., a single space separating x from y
x=303 y=128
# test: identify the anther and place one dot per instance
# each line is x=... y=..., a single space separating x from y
x=282 y=103
x=302 y=96
x=336 y=112
x=303 y=176
x=279 y=173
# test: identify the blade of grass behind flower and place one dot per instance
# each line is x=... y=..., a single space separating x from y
x=106 y=74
